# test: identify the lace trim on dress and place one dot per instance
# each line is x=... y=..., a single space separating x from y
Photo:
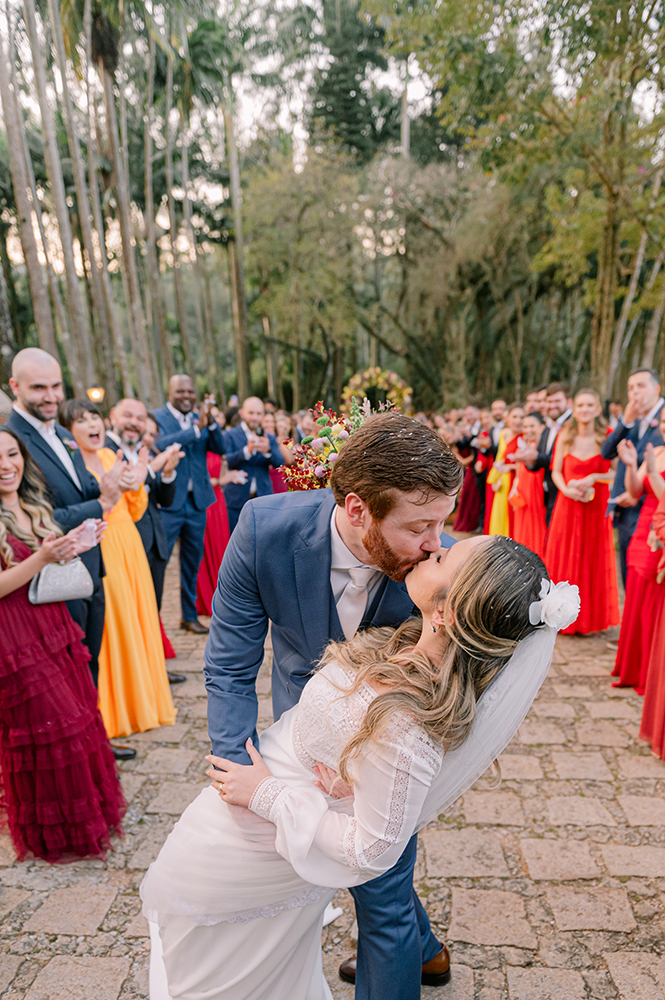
x=265 y=796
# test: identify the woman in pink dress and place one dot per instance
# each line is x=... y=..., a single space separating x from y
x=580 y=543
x=643 y=594
x=279 y=424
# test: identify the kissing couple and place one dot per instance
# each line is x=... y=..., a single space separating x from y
x=403 y=665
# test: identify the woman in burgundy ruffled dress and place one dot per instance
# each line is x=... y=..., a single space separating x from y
x=59 y=785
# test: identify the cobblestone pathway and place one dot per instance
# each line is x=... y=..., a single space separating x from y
x=550 y=887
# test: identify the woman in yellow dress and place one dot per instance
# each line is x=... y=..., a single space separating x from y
x=134 y=692
x=502 y=474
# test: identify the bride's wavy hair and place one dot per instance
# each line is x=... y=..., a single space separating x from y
x=32 y=499
x=487 y=607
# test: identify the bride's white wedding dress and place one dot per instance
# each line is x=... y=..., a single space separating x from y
x=239 y=894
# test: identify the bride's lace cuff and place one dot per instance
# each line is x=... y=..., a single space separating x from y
x=265 y=797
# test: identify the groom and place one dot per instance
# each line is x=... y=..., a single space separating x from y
x=318 y=566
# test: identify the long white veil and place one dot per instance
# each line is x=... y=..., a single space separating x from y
x=500 y=713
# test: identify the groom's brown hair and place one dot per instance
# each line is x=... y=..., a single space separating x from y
x=392 y=453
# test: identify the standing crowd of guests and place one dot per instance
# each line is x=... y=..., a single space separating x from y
x=116 y=493
x=558 y=476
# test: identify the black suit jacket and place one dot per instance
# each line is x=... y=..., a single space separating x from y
x=544 y=461
x=71 y=505
x=150 y=527
x=629 y=516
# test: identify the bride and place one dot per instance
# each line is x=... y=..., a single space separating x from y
x=390 y=731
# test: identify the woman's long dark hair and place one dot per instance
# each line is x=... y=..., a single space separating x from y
x=32 y=499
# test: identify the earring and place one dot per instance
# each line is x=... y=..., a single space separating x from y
x=433 y=628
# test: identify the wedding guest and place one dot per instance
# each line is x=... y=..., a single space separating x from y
x=542 y=399
x=251 y=450
x=468 y=503
x=639 y=424
x=58 y=781
x=528 y=498
x=129 y=432
x=615 y=410
x=73 y=492
x=580 y=544
x=498 y=410
x=652 y=728
x=643 y=593
x=502 y=474
x=277 y=478
x=134 y=690
x=197 y=433
x=217 y=532
x=481 y=466
x=532 y=404
x=556 y=410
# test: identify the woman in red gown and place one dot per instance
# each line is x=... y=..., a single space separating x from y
x=216 y=536
x=580 y=544
x=652 y=728
x=527 y=497
x=468 y=505
x=59 y=786
x=643 y=594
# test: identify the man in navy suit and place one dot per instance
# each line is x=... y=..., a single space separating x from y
x=197 y=434
x=249 y=449
x=638 y=424
x=73 y=491
x=318 y=566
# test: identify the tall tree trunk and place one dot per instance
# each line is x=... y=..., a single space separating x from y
x=96 y=289
x=652 y=333
x=272 y=360
x=12 y=297
x=7 y=342
x=98 y=218
x=134 y=307
x=602 y=324
x=156 y=301
x=173 y=230
x=240 y=302
x=194 y=258
x=405 y=121
x=14 y=130
x=76 y=309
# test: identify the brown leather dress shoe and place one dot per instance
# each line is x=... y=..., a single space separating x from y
x=195 y=627
x=436 y=972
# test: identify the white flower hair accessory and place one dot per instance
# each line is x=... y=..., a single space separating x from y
x=558 y=607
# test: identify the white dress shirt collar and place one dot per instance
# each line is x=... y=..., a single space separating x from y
x=46 y=428
x=184 y=419
x=342 y=558
x=131 y=454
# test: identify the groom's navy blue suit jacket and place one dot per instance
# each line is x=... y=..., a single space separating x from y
x=277 y=569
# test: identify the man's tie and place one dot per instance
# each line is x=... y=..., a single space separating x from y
x=351 y=605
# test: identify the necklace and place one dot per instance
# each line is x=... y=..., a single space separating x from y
x=10 y=506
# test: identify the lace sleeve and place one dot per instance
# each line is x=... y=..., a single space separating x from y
x=391 y=781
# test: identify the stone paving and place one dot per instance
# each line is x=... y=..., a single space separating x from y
x=549 y=887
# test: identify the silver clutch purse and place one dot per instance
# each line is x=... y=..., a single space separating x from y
x=69 y=581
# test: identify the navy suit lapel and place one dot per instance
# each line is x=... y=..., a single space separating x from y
x=312 y=571
x=45 y=453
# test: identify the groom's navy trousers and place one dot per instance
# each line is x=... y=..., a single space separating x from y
x=276 y=570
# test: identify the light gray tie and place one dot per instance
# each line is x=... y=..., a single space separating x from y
x=353 y=601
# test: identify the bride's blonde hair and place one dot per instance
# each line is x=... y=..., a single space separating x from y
x=488 y=610
x=32 y=499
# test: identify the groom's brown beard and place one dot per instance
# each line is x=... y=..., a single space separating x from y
x=383 y=556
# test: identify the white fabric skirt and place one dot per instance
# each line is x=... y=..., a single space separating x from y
x=270 y=958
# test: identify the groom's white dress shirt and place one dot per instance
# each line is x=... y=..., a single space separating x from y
x=47 y=430
x=353 y=582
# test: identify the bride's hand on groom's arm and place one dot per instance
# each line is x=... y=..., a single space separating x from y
x=236 y=783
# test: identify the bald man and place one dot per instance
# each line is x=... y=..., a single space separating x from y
x=72 y=490
x=197 y=433
x=249 y=449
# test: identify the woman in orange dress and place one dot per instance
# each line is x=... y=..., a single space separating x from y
x=527 y=497
x=652 y=728
x=643 y=594
x=502 y=474
x=580 y=544
x=134 y=692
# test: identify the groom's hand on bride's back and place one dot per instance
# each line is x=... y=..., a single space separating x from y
x=236 y=783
